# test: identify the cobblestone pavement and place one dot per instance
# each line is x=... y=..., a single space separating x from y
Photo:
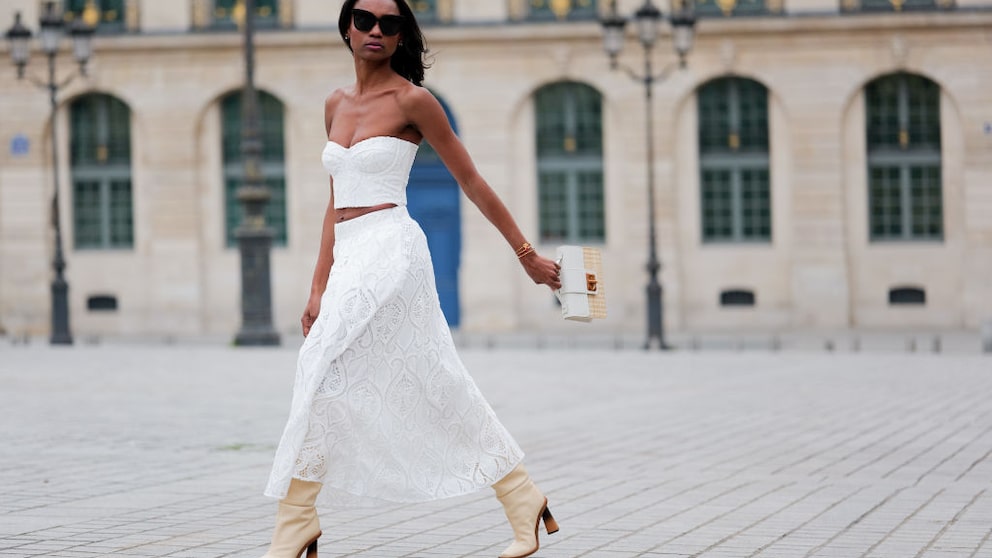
x=163 y=451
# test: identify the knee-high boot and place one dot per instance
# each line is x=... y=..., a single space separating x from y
x=297 y=527
x=525 y=507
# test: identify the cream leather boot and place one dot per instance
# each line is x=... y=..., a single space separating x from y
x=525 y=507
x=297 y=527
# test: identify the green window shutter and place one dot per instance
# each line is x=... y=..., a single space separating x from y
x=100 y=159
x=735 y=179
x=751 y=101
x=923 y=99
x=266 y=14
x=927 y=208
x=755 y=203
x=425 y=10
x=121 y=225
x=272 y=130
x=718 y=206
x=82 y=120
x=728 y=8
x=885 y=202
x=589 y=191
x=553 y=205
x=714 y=116
x=902 y=127
x=273 y=141
x=86 y=214
x=854 y=6
x=561 y=10
x=231 y=128
x=569 y=140
x=551 y=120
x=118 y=132
x=111 y=13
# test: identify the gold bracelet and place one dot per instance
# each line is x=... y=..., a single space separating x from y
x=523 y=249
x=526 y=252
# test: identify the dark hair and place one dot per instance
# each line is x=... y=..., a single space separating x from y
x=408 y=60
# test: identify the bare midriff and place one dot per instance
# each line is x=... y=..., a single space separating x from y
x=348 y=213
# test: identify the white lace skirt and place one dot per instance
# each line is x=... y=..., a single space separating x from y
x=383 y=409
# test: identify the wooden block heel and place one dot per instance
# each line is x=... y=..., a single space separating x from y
x=312 y=549
x=550 y=525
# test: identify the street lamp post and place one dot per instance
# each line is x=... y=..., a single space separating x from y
x=254 y=236
x=52 y=29
x=648 y=20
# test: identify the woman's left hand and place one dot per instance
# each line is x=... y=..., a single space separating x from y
x=542 y=270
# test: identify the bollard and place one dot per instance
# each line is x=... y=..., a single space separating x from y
x=937 y=345
x=987 y=337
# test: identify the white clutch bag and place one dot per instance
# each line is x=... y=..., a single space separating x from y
x=581 y=294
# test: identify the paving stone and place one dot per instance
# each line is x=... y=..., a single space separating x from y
x=155 y=451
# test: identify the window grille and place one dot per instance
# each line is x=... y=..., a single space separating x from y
x=100 y=160
x=734 y=161
x=902 y=124
x=273 y=164
x=570 y=163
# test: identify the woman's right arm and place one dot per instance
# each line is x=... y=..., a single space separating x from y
x=325 y=259
x=325 y=256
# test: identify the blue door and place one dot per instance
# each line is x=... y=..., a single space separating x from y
x=433 y=199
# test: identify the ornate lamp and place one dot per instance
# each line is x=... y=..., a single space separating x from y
x=648 y=20
x=20 y=49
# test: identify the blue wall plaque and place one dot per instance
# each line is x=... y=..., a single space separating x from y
x=20 y=145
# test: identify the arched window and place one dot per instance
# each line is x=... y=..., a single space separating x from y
x=273 y=163
x=902 y=122
x=100 y=159
x=570 y=163
x=733 y=161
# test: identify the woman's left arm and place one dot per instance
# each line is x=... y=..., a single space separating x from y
x=427 y=115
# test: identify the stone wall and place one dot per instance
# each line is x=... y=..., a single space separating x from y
x=819 y=272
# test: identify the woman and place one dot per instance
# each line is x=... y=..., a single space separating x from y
x=383 y=409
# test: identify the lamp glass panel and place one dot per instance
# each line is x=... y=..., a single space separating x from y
x=82 y=46
x=613 y=39
x=19 y=50
x=683 y=37
x=50 y=35
x=648 y=29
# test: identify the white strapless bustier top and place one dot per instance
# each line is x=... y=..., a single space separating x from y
x=371 y=172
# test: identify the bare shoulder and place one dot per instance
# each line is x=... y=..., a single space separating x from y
x=331 y=104
x=413 y=98
x=334 y=99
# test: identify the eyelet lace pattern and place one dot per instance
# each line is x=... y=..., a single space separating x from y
x=383 y=409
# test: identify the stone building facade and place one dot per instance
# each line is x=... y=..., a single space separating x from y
x=819 y=164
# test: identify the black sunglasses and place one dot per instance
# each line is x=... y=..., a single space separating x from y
x=389 y=25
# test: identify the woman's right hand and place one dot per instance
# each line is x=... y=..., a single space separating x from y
x=310 y=313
